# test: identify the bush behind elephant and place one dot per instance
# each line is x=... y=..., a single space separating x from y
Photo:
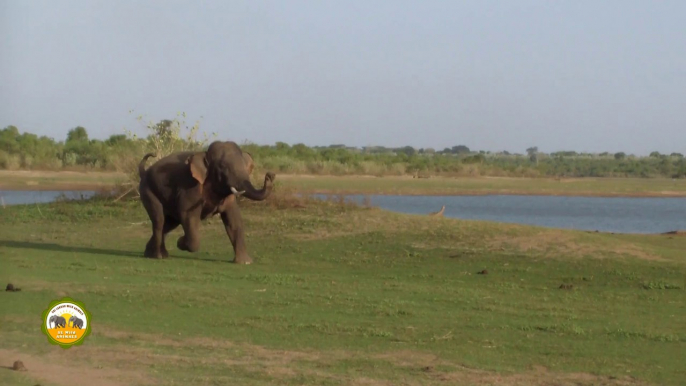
x=185 y=188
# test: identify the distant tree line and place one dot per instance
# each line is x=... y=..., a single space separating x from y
x=122 y=152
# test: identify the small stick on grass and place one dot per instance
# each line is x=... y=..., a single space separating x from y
x=124 y=194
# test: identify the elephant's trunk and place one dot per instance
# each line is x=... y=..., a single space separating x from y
x=261 y=194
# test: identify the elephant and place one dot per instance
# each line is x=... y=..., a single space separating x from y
x=76 y=322
x=185 y=188
x=57 y=320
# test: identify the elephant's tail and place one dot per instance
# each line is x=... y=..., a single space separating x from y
x=141 y=165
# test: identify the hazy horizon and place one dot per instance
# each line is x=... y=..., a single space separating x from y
x=568 y=75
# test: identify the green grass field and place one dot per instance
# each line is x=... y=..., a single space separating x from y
x=341 y=295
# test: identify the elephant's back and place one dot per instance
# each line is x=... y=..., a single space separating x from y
x=179 y=158
x=171 y=167
x=169 y=177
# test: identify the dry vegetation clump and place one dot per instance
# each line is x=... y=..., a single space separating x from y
x=162 y=139
x=676 y=233
x=286 y=198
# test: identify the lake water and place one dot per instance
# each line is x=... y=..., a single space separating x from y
x=605 y=214
x=620 y=215
x=15 y=197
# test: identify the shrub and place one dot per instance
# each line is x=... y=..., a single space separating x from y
x=163 y=138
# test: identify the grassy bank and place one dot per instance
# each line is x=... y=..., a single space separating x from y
x=58 y=180
x=627 y=187
x=609 y=187
x=342 y=295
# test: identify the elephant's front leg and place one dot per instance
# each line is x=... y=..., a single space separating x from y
x=231 y=216
x=190 y=241
x=169 y=225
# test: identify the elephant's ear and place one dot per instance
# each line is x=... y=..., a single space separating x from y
x=249 y=164
x=198 y=165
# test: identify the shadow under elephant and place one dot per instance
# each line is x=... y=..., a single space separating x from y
x=96 y=251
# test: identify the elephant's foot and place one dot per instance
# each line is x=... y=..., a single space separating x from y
x=154 y=255
x=152 y=252
x=242 y=259
x=182 y=244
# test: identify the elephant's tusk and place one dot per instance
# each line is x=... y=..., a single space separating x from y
x=236 y=192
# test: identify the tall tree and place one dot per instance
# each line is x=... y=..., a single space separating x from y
x=460 y=149
x=77 y=134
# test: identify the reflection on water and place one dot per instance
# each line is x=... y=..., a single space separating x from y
x=605 y=214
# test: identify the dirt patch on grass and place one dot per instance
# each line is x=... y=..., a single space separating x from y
x=56 y=369
x=539 y=376
x=616 y=250
x=115 y=358
x=439 y=371
x=424 y=368
x=569 y=244
x=59 y=289
x=252 y=351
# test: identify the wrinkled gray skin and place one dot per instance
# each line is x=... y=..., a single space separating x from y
x=76 y=322
x=57 y=320
x=188 y=187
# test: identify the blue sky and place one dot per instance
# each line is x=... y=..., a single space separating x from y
x=492 y=75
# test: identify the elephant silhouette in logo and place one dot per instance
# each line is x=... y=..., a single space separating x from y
x=76 y=322
x=58 y=321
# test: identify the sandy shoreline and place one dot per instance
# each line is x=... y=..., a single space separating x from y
x=67 y=187
x=496 y=192
x=29 y=180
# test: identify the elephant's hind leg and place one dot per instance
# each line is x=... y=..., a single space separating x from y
x=156 y=213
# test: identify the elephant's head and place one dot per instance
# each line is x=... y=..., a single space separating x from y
x=225 y=169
